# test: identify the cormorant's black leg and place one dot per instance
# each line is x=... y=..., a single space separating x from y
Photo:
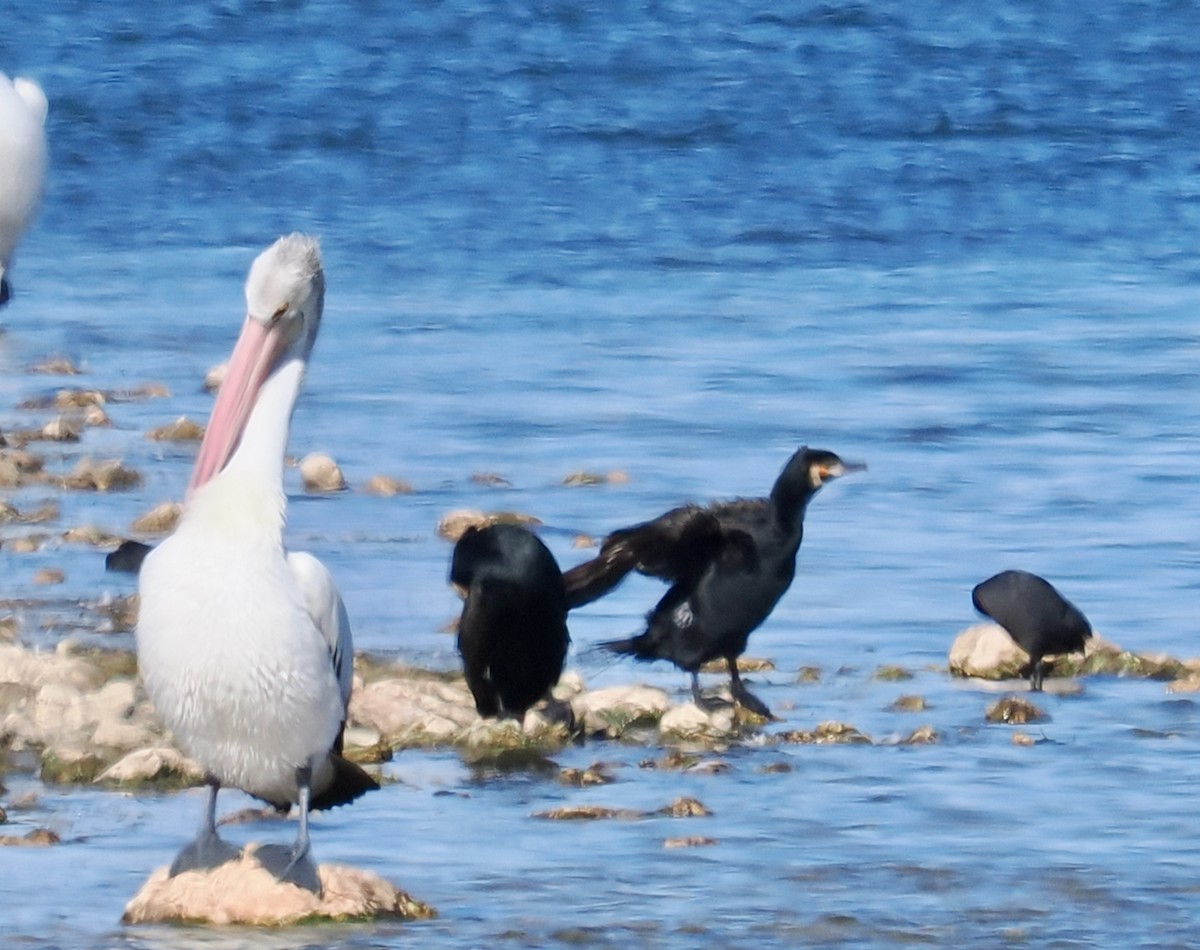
x=742 y=695
x=294 y=865
x=209 y=850
x=1036 y=675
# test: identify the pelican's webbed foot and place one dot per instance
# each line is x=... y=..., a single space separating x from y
x=208 y=851
x=289 y=866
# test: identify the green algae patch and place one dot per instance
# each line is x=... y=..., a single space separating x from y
x=892 y=674
x=825 y=733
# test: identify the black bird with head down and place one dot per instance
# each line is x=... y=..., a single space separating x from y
x=728 y=564
x=1035 y=615
x=513 y=631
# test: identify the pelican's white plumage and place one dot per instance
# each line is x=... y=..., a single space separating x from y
x=23 y=109
x=245 y=649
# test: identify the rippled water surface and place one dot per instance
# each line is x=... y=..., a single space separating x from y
x=676 y=240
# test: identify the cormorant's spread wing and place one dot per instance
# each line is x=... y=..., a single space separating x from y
x=673 y=547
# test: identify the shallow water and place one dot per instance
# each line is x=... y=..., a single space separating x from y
x=677 y=241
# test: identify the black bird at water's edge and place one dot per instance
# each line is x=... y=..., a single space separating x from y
x=512 y=635
x=1035 y=615
x=728 y=564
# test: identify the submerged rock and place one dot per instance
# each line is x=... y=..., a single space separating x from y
x=161 y=519
x=826 y=733
x=103 y=476
x=387 y=487
x=682 y=807
x=37 y=838
x=1014 y=710
x=244 y=893
x=689 y=841
x=182 y=429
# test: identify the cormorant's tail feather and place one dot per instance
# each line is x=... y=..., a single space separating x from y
x=592 y=579
x=349 y=782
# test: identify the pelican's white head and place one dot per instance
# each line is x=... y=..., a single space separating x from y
x=285 y=296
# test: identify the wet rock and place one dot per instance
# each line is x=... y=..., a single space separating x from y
x=71 y=765
x=689 y=841
x=37 y=838
x=161 y=519
x=215 y=377
x=143 y=392
x=1014 y=710
x=909 y=704
x=27 y=544
x=584 y=541
x=808 y=674
x=161 y=767
x=182 y=429
x=683 y=807
x=320 y=473
x=61 y=430
x=775 y=768
x=923 y=735
x=689 y=721
x=597 y=773
x=90 y=534
x=986 y=651
x=412 y=712
x=745 y=664
x=244 y=893
x=18 y=467
x=595 y=478
x=47 y=576
x=54 y=366
x=454 y=524
x=614 y=710
x=8 y=629
x=95 y=417
x=1023 y=738
x=103 y=476
x=490 y=480
x=824 y=734
x=387 y=487
x=892 y=674
x=365 y=745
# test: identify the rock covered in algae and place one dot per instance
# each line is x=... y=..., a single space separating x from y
x=986 y=651
x=243 y=892
x=614 y=709
x=1014 y=710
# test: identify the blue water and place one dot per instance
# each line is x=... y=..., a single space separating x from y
x=677 y=240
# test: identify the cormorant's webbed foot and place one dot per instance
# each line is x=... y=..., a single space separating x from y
x=743 y=696
x=707 y=703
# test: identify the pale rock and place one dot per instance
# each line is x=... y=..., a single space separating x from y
x=161 y=519
x=244 y=893
x=983 y=649
x=612 y=709
x=215 y=376
x=690 y=721
x=406 y=710
x=387 y=487
x=147 y=765
x=320 y=473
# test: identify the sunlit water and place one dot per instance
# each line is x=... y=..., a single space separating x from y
x=678 y=241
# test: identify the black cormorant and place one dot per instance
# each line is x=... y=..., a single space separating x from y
x=1035 y=615
x=728 y=564
x=513 y=631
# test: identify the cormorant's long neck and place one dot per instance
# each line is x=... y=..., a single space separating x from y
x=789 y=499
x=247 y=495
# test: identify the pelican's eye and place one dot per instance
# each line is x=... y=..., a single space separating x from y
x=278 y=315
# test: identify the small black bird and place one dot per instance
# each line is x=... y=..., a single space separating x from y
x=127 y=558
x=728 y=565
x=1035 y=615
x=513 y=631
